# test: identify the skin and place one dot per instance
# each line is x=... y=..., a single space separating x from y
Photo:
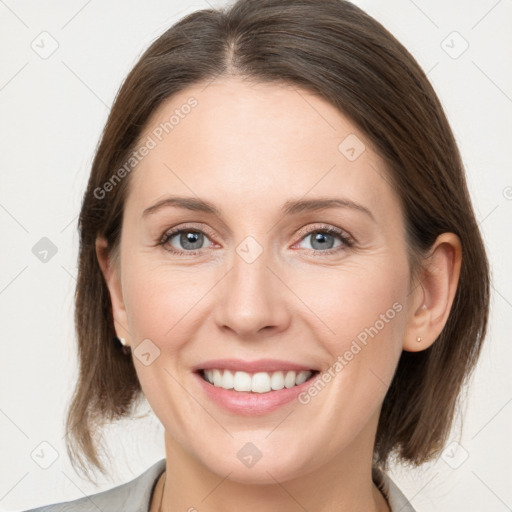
x=248 y=148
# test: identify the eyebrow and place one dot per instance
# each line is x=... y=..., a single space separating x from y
x=291 y=207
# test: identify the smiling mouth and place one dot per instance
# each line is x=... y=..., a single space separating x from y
x=258 y=382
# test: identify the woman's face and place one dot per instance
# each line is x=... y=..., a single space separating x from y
x=255 y=277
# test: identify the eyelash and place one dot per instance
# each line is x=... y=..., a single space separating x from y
x=347 y=240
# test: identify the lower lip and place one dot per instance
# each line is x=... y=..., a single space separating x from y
x=251 y=404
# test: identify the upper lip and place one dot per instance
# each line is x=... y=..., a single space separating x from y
x=258 y=365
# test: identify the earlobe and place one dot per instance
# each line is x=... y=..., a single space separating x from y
x=433 y=298
x=111 y=274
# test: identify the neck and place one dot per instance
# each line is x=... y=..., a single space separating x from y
x=344 y=483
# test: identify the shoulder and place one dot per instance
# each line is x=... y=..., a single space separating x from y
x=133 y=496
x=396 y=499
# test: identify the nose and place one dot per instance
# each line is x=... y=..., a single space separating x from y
x=252 y=299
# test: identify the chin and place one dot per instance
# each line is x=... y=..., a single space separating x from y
x=263 y=471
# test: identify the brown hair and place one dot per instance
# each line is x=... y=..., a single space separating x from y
x=335 y=50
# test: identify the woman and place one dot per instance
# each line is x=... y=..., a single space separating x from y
x=285 y=374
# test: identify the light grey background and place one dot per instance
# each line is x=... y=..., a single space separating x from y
x=53 y=108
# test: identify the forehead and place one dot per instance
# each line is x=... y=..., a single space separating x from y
x=235 y=142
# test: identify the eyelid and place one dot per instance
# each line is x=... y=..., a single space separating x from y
x=312 y=228
x=184 y=227
x=176 y=230
x=346 y=238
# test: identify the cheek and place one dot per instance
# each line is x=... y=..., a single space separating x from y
x=157 y=300
x=366 y=317
x=362 y=313
x=159 y=305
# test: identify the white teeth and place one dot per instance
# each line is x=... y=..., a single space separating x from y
x=228 y=381
x=217 y=378
x=260 y=382
x=242 y=381
x=289 y=380
x=301 y=377
x=277 y=381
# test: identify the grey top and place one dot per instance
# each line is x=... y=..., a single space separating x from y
x=135 y=496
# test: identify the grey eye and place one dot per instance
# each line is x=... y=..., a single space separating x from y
x=188 y=239
x=320 y=240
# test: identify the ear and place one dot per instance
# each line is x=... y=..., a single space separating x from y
x=111 y=271
x=433 y=295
